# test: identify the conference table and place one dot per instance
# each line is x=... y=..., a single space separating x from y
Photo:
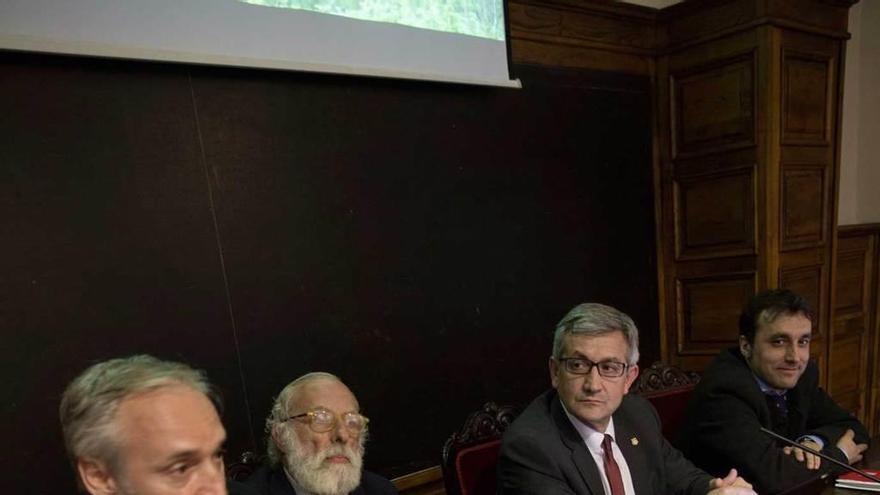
x=871 y=460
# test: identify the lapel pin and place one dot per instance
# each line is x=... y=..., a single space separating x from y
x=634 y=441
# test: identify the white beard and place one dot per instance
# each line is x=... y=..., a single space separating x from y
x=318 y=477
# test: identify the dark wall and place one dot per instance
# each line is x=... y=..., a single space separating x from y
x=418 y=239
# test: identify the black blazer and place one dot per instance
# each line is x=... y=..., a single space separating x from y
x=542 y=453
x=236 y=488
x=723 y=420
x=267 y=481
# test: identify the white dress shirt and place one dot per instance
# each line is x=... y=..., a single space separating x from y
x=593 y=440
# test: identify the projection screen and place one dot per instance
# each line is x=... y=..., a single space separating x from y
x=460 y=41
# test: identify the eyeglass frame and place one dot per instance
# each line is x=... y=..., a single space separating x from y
x=336 y=419
x=591 y=365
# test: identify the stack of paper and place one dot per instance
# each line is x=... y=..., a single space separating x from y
x=855 y=481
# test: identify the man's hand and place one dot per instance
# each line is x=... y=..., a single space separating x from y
x=852 y=449
x=813 y=461
x=730 y=485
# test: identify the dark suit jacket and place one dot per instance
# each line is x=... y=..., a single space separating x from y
x=723 y=420
x=542 y=453
x=236 y=488
x=267 y=481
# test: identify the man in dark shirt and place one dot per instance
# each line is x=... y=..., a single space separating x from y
x=769 y=381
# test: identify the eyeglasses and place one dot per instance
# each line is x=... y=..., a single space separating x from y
x=322 y=420
x=581 y=366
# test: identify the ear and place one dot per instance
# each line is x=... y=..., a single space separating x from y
x=554 y=372
x=745 y=348
x=631 y=374
x=277 y=437
x=96 y=477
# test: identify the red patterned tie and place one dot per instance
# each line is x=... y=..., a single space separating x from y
x=611 y=468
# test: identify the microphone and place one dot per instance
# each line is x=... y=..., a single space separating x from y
x=823 y=456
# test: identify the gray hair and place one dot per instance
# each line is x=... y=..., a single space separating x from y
x=279 y=412
x=90 y=402
x=597 y=319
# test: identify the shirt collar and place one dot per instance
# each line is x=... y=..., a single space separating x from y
x=591 y=436
x=767 y=389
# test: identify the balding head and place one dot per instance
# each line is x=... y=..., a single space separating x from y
x=316 y=431
x=295 y=396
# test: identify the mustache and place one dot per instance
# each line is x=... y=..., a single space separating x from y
x=340 y=450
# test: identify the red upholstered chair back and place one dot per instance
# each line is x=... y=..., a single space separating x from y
x=470 y=456
x=668 y=389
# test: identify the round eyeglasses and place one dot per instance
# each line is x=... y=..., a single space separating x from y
x=322 y=420
x=581 y=366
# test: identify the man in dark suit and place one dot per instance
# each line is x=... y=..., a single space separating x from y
x=139 y=425
x=586 y=436
x=769 y=381
x=316 y=437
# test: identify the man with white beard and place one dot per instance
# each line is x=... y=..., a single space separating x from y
x=315 y=443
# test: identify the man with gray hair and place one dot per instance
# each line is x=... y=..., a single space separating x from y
x=139 y=425
x=586 y=436
x=315 y=442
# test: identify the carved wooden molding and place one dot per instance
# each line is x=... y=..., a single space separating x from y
x=489 y=423
x=621 y=37
x=858 y=229
x=610 y=9
x=610 y=36
x=660 y=377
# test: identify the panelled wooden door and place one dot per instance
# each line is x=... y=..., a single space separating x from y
x=747 y=170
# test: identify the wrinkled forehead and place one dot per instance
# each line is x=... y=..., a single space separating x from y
x=322 y=392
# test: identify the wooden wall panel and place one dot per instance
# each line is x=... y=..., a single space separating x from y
x=713 y=106
x=747 y=83
x=709 y=174
x=854 y=265
x=699 y=22
x=854 y=320
x=708 y=310
x=804 y=205
x=715 y=214
x=851 y=401
x=806 y=97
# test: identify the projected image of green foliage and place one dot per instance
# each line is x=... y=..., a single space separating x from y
x=482 y=18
